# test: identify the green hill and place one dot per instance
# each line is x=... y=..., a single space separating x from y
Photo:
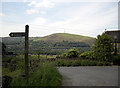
x=51 y=44
x=59 y=37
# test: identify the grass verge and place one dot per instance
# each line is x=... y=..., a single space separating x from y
x=45 y=75
x=79 y=62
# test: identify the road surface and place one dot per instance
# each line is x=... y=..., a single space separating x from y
x=89 y=76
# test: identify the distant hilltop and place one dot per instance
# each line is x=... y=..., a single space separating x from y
x=59 y=37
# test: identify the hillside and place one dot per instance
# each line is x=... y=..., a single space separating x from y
x=51 y=44
x=59 y=37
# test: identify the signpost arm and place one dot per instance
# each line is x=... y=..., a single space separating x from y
x=26 y=51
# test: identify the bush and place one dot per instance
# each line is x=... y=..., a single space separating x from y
x=72 y=53
x=6 y=81
x=60 y=63
x=116 y=59
x=68 y=63
x=87 y=55
x=76 y=63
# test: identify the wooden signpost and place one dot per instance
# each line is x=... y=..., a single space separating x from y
x=17 y=34
x=26 y=35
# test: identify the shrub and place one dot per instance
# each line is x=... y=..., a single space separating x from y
x=87 y=55
x=116 y=59
x=68 y=63
x=60 y=63
x=6 y=81
x=72 y=53
x=76 y=63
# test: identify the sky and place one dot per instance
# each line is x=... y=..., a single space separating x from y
x=44 y=17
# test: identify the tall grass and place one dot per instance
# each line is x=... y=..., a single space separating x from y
x=45 y=75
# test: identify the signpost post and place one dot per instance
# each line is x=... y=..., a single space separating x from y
x=26 y=51
x=26 y=35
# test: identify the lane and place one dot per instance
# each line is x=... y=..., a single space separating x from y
x=89 y=76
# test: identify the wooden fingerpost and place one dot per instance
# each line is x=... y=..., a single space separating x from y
x=26 y=52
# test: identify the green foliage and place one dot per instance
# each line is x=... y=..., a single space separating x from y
x=72 y=53
x=6 y=80
x=45 y=75
x=81 y=62
x=103 y=48
x=116 y=59
x=87 y=55
x=3 y=49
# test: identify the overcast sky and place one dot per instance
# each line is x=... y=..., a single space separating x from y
x=51 y=16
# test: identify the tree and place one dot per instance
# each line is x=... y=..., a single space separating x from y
x=3 y=49
x=71 y=53
x=103 y=48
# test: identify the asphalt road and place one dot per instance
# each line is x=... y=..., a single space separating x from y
x=89 y=76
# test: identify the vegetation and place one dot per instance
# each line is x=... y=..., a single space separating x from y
x=3 y=48
x=101 y=52
x=54 y=44
x=45 y=75
x=59 y=37
x=72 y=53
x=103 y=48
x=116 y=59
x=42 y=68
x=88 y=55
x=81 y=62
x=41 y=72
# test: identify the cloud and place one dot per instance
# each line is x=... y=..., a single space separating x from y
x=43 y=4
x=39 y=21
x=36 y=6
x=32 y=11
x=24 y=0
x=43 y=12
x=89 y=19
x=32 y=3
x=64 y=0
x=1 y=14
